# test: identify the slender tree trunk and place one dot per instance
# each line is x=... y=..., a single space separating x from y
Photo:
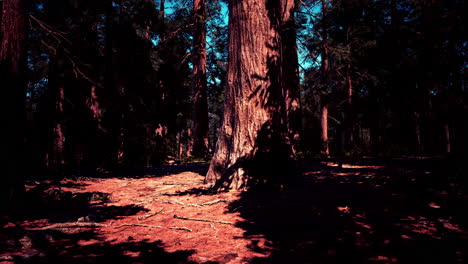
x=447 y=138
x=162 y=29
x=200 y=103
x=55 y=102
x=12 y=112
x=417 y=128
x=350 y=109
x=252 y=143
x=290 y=71
x=350 y=113
x=324 y=124
x=325 y=82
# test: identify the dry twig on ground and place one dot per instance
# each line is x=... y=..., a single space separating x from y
x=69 y=225
x=144 y=217
x=203 y=220
x=156 y=226
x=198 y=205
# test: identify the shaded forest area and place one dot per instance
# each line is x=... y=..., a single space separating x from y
x=292 y=131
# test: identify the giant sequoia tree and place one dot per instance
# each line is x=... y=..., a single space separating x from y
x=253 y=142
x=12 y=68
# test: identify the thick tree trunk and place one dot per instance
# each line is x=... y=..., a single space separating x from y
x=252 y=146
x=12 y=112
x=200 y=145
x=290 y=71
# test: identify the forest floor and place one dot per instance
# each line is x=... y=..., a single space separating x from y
x=366 y=211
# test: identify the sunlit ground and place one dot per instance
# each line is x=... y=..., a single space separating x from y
x=353 y=213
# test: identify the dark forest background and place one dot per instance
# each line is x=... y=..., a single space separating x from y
x=108 y=84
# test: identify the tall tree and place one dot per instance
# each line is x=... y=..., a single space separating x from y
x=290 y=70
x=12 y=69
x=200 y=103
x=252 y=143
x=325 y=82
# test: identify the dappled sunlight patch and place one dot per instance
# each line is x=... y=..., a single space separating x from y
x=351 y=166
x=344 y=209
x=425 y=226
x=383 y=259
x=312 y=173
x=454 y=227
x=345 y=173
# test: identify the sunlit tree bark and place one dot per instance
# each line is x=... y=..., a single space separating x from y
x=324 y=76
x=252 y=146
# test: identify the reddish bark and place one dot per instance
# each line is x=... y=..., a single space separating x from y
x=253 y=137
x=12 y=112
x=324 y=124
x=325 y=71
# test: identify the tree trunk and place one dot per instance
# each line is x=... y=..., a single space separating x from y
x=447 y=138
x=12 y=113
x=324 y=124
x=200 y=144
x=417 y=128
x=347 y=140
x=55 y=102
x=162 y=29
x=290 y=71
x=252 y=145
x=325 y=82
x=350 y=113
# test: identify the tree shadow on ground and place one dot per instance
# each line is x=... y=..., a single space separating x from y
x=27 y=238
x=46 y=201
x=371 y=211
x=51 y=246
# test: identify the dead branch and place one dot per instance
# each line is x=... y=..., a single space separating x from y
x=69 y=225
x=144 y=217
x=60 y=38
x=214 y=202
x=156 y=226
x=177 y=183
x=53 y=32
x=94 y=225
x=198 y=205
x=203 y=220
